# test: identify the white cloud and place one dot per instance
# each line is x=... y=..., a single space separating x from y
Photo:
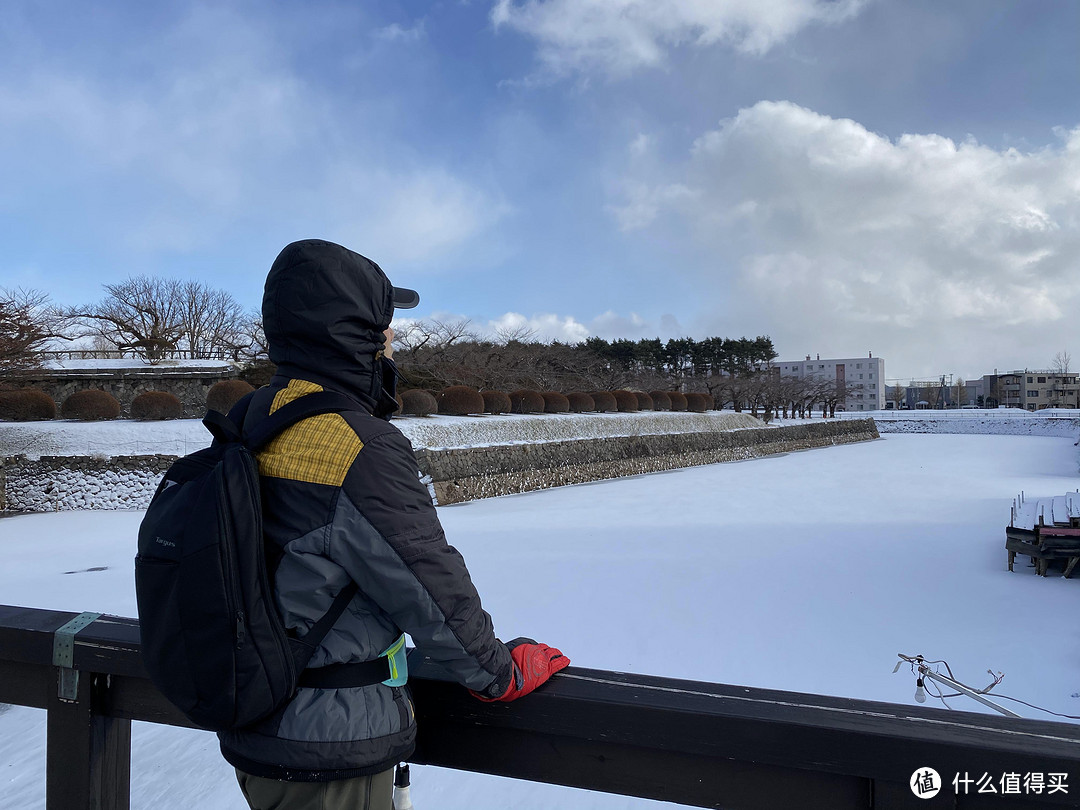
x=838 y=230
x=548 y=326
x=643 y=203
x=406 y=215
x=400 y=34
x=620 y=36
x=543 y=327
x=228 y=136
x=640 y=146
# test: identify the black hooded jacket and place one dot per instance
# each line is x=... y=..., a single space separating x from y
x=342 y=497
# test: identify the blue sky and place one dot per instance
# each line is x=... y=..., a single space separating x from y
x=844 y=176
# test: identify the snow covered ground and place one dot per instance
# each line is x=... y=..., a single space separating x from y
x=183 y=436
x=806 y=572
x=124 y=363
x=179 y=437
x=1064 y=422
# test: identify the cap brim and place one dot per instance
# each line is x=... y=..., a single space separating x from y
x=404 y=298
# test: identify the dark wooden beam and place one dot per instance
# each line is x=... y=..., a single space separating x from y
x=702 y=744
x=88 y=754
x=755 y=742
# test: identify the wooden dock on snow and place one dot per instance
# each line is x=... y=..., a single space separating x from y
x=1045 y=529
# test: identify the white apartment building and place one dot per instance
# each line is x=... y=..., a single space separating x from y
x=863 y=378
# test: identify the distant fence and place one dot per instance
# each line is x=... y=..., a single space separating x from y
x=699 y=744
x=117 y=354
x=963 y=413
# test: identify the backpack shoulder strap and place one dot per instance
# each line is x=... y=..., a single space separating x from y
x=289 y=414
x=303 y=648
x=225 y=428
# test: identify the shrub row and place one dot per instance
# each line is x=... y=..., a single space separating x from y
x=30 y=404
x=460 y=400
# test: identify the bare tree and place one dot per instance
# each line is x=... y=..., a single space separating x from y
x=932 y=394
x=425 y=350
x=251 y=339
x=141 y=314
x=515 y=334
x=155 y=317
x=897 y=395
x=1061 y=362
x=960 y=392
x=28 y=322
x=214 y=323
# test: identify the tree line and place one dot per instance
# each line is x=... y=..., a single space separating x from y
x=158 y=318
x=150 y=317
x=733 y=372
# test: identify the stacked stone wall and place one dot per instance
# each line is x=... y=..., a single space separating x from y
x=190 y=387
x=482 y=472
x=54 y=483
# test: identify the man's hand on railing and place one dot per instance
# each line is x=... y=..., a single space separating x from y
x=534 y=664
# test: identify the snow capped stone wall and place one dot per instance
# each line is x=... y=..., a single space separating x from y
x=440 y=432
x=1068 y=427
x=58 y=483
x=469 y=473
x=55 y=483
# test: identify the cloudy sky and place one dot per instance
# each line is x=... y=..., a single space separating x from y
x=845 y=176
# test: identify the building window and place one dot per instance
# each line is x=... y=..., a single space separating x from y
x=871 y=376
x=858 y=365
x=1030 y=379
x=1033 y=394
x=860 y=376
x=1041 y=379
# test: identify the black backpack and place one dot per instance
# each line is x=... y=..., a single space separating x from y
x=213 y=641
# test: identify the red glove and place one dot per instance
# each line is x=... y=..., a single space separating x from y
x=533 y=665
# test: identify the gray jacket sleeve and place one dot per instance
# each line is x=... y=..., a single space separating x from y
x=386 y=534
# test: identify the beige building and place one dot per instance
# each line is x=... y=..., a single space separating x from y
x=1032 y=390
x=862 y=378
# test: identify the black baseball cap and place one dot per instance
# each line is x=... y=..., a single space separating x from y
x=404 y=298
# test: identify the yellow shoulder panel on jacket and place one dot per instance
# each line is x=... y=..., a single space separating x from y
x=318 y=450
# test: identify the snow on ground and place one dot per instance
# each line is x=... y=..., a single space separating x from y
x=122 y=363
x=1002 y=427
x=183 y=436
x=1063 y=422
x=805 y=572
x=120 y=437
x=471 y=431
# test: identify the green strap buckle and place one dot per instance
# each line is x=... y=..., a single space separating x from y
x=64 y=654
x=399 y=664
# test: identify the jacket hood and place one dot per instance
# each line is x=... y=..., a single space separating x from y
x=324 y=311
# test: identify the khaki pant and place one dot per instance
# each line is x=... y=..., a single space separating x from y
x=375 y=792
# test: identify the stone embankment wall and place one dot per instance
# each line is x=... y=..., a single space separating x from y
x=128 y=482
x=1066 y=427
x=483 y=472
x=55 y=483
x=189 y=386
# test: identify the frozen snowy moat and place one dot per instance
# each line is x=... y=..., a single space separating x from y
x=873 y=548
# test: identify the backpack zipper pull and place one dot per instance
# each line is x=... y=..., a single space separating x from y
x=239 y=629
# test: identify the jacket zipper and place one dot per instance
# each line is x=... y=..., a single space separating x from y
x=231 y=576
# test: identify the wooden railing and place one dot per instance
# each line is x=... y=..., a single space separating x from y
x=700 y=744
